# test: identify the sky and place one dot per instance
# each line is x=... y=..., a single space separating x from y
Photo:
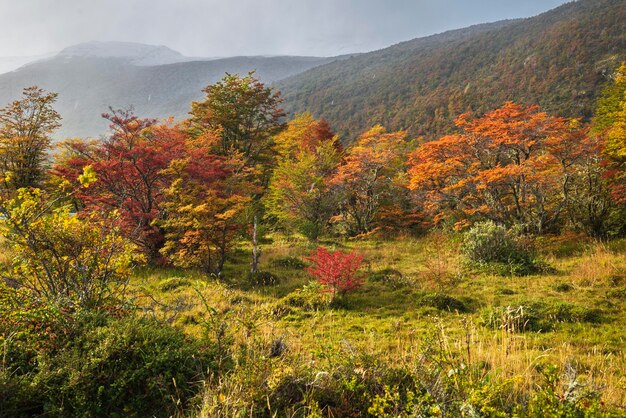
x=211 y=28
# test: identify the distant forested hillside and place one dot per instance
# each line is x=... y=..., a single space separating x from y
x=88 y=84
x=558 y=60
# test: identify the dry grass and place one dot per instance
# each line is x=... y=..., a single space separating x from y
x=391 y=324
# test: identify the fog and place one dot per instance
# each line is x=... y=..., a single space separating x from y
x=244 y=27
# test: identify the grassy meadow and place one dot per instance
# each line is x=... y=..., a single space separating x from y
x=420 y=306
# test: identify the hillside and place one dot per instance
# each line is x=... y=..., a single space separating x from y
x=91 y=77
x=558 y=59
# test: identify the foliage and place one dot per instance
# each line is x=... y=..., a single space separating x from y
x=205 y=204
x=337 y=271
x=130 y=166
x=62 y=258
x=246 y=114
x=487 y=243
x=369 y=181
x=112 y=367
x=611 y=119
x=300 y=193
x=513 y=165
x=25 y=128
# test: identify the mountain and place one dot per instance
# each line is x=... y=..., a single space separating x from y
x=135 y=53
x=13 y=63
x=156 y=80
x=559 y=60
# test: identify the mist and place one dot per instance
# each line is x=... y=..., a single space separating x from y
x=244 y=27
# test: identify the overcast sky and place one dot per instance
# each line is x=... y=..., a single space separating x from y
x=244 y=27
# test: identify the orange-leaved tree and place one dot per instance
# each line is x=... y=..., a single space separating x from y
x=512 y=165
x=370 y=180
x=204 y=205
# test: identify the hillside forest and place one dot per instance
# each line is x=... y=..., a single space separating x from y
x=242 y=263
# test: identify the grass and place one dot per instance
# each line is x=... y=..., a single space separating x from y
x=416 y=288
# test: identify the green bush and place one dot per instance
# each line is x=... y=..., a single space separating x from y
x=493 y=248
x=310 y=298
x=538 y=316
x=443 y=302
x=289 y=262
x=111 y=367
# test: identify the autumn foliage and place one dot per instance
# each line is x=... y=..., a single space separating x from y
x=514 y=165
x=336 y=270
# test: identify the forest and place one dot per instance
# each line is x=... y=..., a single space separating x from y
x=557 y=60
x=245 y=263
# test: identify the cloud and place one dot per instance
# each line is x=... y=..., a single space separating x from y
x=244 y=27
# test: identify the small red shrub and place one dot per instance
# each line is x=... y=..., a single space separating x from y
x=336 y=271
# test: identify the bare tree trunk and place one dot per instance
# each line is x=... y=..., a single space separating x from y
x=256 y=252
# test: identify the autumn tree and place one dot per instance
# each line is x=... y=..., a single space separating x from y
x=247 y=115
x=130 y=165
x=25 y=129
x=205 y=204
x=336 y=271
x=514 y=165
x=610 y=123
x=300 y=194
x=369 y=180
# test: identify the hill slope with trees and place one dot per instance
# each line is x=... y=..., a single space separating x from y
x=558 y=60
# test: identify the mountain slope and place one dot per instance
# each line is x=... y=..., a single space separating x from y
x=89 y=80
x=557 y=59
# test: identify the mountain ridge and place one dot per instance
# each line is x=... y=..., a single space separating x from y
x=558 y=59
x=89 y=82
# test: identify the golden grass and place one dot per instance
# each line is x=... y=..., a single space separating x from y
x=390 y=324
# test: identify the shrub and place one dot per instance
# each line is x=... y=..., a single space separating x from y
x=443 y=302
x=112 y=367
x=491 y=246
x=309 y=298
x=538 y=316
x=336 y=271
x=289 y=262
x=61 y=258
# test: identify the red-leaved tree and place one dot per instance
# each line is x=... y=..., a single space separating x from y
x=130 y=167
x=336 y=271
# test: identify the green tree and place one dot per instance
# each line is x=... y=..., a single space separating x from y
x=25 y=129
x=300 y=193
x=247 y=115
x=245 y=112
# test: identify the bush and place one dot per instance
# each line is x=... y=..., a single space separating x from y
x=111 y=367
x=61 y=258
x=443 y=302
x=309 y=298
x=289 y=262
x=538 y=316
x=336 y=271
x=491 y=246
